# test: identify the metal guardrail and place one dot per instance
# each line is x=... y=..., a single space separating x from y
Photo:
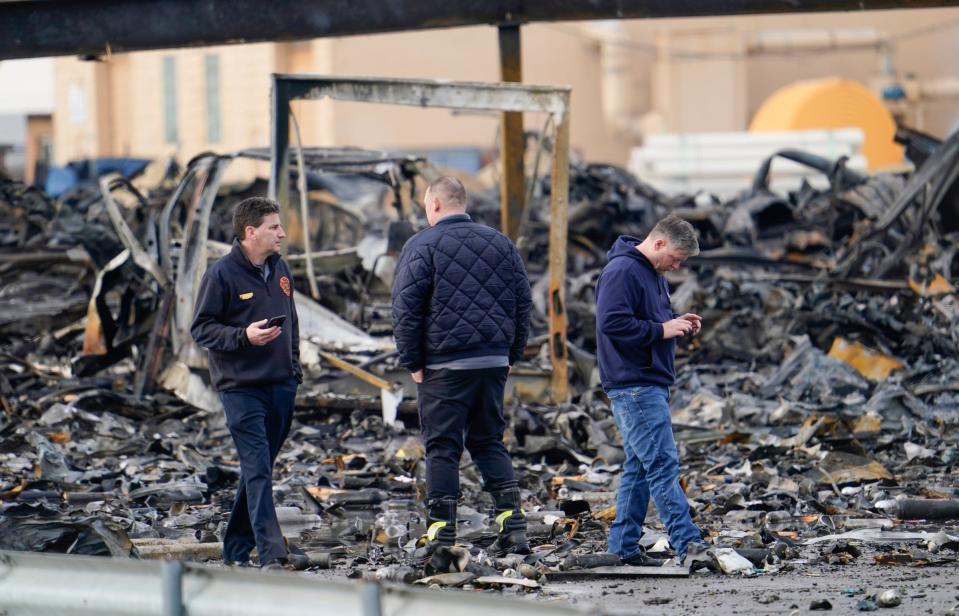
x=60 y=585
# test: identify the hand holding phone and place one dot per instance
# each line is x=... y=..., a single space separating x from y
x=264 y=332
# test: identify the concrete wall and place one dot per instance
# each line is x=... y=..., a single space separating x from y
x=117 y=107
x=924 y=42
x=694 y=74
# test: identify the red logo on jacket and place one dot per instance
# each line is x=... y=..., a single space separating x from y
x=285 y=285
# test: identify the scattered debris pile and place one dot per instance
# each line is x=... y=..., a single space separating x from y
x=816 y=414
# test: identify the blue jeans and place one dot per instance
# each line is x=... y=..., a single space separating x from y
x=259 y=420
x=651 y=469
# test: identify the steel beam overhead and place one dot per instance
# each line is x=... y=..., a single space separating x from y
x=36 y=28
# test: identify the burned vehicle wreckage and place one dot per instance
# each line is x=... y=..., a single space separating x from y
x=816 y=414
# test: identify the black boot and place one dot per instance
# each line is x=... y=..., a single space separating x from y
x=641 y=559
x=440 y=533
x=511 y=523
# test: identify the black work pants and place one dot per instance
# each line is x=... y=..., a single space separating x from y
x=259 y=420
x=460 y=408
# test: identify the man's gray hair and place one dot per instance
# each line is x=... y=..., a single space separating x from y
x=449 y=190
x=680 y=234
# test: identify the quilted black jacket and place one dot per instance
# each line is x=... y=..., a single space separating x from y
x=460 y=291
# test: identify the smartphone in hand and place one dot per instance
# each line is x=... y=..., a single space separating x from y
x=276 y=321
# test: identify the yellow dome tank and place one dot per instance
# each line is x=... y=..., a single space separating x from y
x=833 y=103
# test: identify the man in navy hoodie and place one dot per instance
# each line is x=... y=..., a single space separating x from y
x=255 y=367
x=636 y=331
x=461 y=306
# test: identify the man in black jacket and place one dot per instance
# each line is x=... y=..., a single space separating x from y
x=461 y=305
x=255 y=367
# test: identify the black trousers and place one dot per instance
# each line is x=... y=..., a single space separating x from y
x=259 y=420
x=460 y=408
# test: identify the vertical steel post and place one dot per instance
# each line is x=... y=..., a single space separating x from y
x=512 y=191
x=279 y=189
x=558 y=227
x=370 y=600
x=172 y=572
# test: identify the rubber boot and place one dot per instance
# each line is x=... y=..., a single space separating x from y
x=511 y=523
x=432 y=549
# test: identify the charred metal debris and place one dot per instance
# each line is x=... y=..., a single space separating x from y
x=816 y=414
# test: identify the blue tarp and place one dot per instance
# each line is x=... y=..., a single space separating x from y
x=61 y=179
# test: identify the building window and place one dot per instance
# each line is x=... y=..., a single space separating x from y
x=169 y=99
x=212 y=98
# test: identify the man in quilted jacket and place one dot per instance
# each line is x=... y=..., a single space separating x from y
x=461 y=306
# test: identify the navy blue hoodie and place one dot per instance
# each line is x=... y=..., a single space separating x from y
x=632 y=303
x=232 y=295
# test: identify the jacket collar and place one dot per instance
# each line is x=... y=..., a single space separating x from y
x=464 y=217
x=237 y=253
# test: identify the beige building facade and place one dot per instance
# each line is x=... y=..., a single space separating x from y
x=629 y=79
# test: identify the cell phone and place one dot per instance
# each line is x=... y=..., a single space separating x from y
x=276 y=321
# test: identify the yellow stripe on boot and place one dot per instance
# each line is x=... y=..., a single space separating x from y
x=433 y=529
x=501 y=518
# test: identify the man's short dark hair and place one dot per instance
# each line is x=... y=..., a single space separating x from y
x=680 y=234
x=250 y=213
x=450 y=191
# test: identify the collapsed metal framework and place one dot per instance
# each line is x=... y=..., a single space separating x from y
x=174 y=256
x=503 y=97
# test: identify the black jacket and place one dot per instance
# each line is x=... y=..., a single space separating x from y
x=232 y=295
x=460 y=291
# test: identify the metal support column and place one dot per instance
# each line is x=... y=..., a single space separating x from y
x=279 y=189
x=512 y=191
x=558 y=227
